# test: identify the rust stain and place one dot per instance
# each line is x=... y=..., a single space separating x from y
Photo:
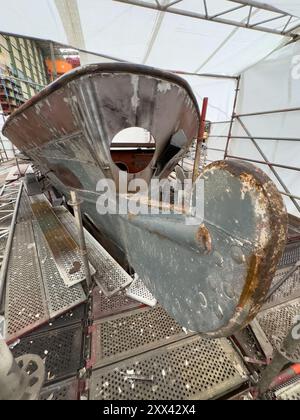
x=203 y=237
x=248 y=179
x=42 y=209
x=66 y=176
x=76 y=268
x=252 y=280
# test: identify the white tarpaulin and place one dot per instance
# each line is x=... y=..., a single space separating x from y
x=187 y=42
x=289 y=6
x=146 y=36
x=161 y=39
x=272 y=85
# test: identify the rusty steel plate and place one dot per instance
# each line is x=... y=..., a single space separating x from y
x=213 y=277
x=64 y=249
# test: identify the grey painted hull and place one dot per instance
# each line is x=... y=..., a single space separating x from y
x=212 y=277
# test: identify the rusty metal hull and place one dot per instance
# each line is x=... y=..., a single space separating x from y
x=212 y=277
x=68 y=128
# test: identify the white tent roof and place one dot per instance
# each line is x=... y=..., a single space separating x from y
x=289 y=6
x=195 y=36
x=220 y=37
x=164 y=39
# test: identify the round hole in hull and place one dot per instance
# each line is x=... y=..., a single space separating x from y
x=133 y=149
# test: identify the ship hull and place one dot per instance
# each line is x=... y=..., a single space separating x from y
x=211 y=275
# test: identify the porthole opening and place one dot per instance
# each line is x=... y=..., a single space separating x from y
x=132 y=149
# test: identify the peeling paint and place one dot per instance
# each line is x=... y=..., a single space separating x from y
x=164 y=87
x=135 y=101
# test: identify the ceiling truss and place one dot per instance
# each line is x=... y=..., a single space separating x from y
x=222 y=17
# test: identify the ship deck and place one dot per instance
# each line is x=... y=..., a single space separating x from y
x=118 y=342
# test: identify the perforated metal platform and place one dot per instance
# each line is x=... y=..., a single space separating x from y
x=62 y=246
x=276 y=322
x=24 y=213
x=76 y=315
x=60 y=298
x=291 y=255
x=104 y=306
x=288 y=291
x=62 y=391
x=138 y=291
x=60 y=349
x=194 y=368
x=125 y=335
x=25 y=303
x=290 y=392
x=110 y=276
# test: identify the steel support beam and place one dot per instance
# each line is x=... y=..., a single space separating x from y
x=290 y=195
x=270 y=166
x=257 y=138
x=275 y=111
x=200 y=16
x=276 y=165
x=262 y=6
x=53 y=60
x=237 y=89
x=4 y=266
x=211 y=75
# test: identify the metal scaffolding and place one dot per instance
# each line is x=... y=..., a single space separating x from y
x=238 y=118
x=287 y=20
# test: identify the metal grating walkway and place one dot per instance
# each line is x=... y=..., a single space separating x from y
x=35 y=290
x=76 y=315
x=110 y=276
x=193 y=368
x=60 y=349
x=25 y=303
x=291 y=255
x=138 y=291
x=63 y=391
x=277 y=321
x=24 y=213
x=290 y=392
x=129 y=334
x=289 y=290
x=104 y=306
x=60 y=298
x=63 y=248
x=138 y=353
